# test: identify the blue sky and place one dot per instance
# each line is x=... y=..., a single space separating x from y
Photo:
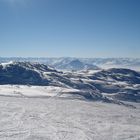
x=75 y=28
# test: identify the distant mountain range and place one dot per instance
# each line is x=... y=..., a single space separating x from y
x=75 y=65
x=68 y=63
x=108 y=85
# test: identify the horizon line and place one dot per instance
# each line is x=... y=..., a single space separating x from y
x=40 y=57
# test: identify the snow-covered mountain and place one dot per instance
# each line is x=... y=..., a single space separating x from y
x=123 y=84
x=75 y=65
x=130 y=63
x=26 y=73
x=66 y=63
x=107 y=85
x=23 y=73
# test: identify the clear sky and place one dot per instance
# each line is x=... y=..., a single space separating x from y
x=74 y=28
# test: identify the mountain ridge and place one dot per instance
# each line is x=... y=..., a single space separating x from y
x=103 y=63
x=107 y=85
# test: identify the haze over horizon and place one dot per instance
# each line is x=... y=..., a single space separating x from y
x=73 y=28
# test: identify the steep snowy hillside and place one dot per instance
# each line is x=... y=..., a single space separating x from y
x=107 y=85
x=23 y=73
x=28 y=73
x=122 y=84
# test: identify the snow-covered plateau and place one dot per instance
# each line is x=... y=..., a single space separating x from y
x=59 y=119
x=40 y=103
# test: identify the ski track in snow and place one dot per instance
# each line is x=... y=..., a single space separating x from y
x=59 y=119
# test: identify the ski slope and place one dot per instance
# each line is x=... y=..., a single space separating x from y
x=59 y=119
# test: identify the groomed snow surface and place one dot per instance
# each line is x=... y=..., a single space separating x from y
x=51 y=118
x=34 y=91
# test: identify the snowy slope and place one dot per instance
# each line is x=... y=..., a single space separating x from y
x=55 y=119
x=40 y=103
x=106 y=85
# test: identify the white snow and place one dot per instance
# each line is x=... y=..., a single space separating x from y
x=34 y=91
x=5 y=64
x=57 y=119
